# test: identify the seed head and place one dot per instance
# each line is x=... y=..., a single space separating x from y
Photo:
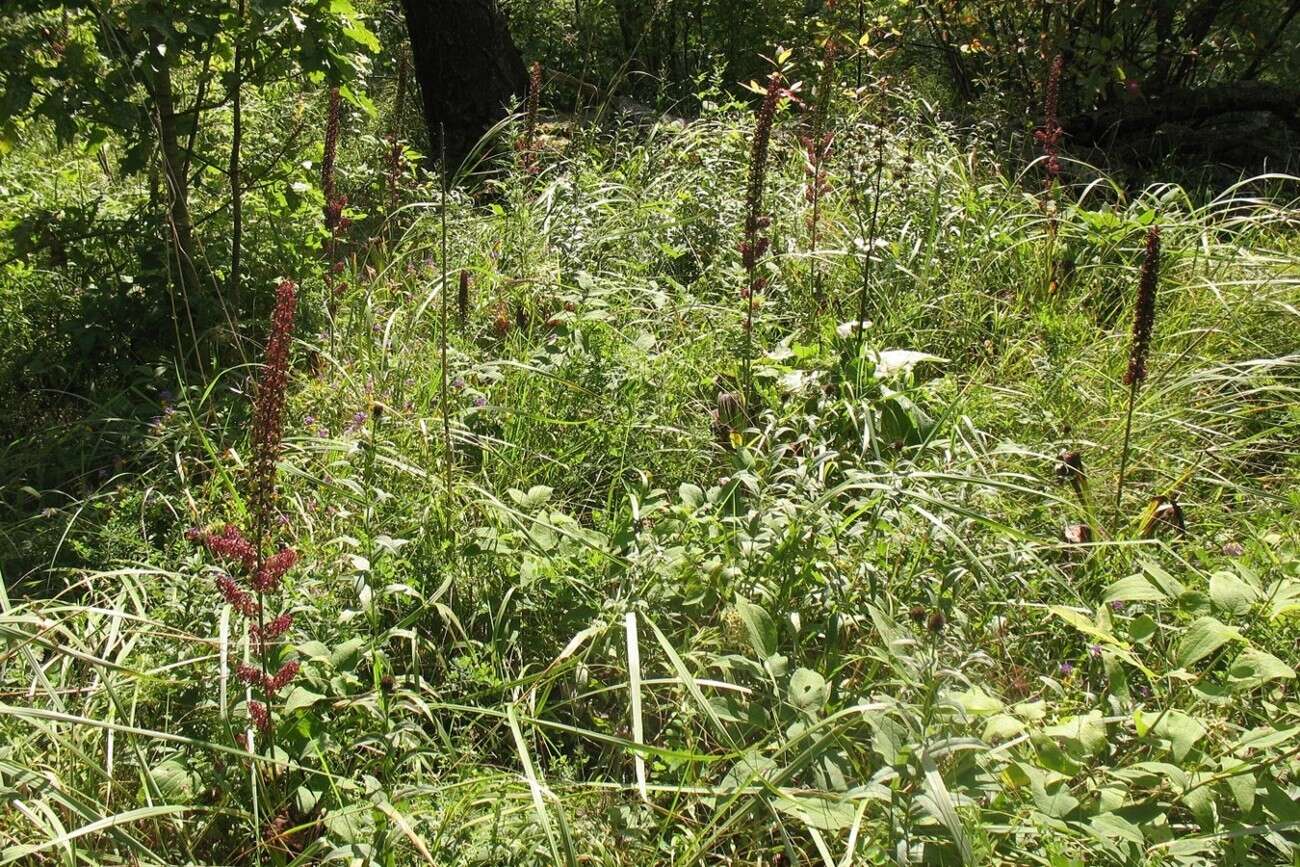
x=1144 y=312
x=936 y=622
x=462 y=297
x=268 y=405
x=327 y=162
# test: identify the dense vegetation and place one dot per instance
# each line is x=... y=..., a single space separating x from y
x=857 y=467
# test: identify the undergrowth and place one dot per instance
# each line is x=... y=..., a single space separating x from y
x=847 y=617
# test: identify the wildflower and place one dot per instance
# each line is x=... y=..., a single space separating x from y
x=237 y=598
x=248 y=675
x=1049 y=135
x=268 y=406
x=267 y=578
x=281 y=678
x=229 y=544
x=936 y=622
x=1065 y=669
x=917 y=614
x=1233 y=549
x=273 y=630
x=1094 y=650
x=462 y=297
x=258 y=714
x=1117 y=605
x=327 y=162
x=1144 y=313
x=526 y=144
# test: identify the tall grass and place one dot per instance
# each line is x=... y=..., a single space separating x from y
x=617 y=640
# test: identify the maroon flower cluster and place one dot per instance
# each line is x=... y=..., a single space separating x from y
x=526 y=144
x=1144 y=313
x=1049 y=136
x=755 y=244
x=262 y=573
x=327 y=162
x=269 y=684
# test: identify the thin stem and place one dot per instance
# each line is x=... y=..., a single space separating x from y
x=1123 y=455
x=236 y=184
x=446 y=420
x=871 y=244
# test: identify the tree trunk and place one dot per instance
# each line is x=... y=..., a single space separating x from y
x=468 y=68
x=178 y=187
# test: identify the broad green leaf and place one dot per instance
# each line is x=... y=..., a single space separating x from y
x=175 y=781
x=301 y=697
x=1241 y=785
x=1002 y=727
x=1201 y=639
x=346 y=655
x=1134 y=588
x=977 y=702
x=1115 y=827
x=1182 y=731
x=1254 y=667
x=759 y=626
x=808 y=689
x=1231 y=594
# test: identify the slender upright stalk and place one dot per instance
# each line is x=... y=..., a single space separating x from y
x=442 y=340
x=236 y=185
x=871 y=244
x=1144 y=315
x=755 y=244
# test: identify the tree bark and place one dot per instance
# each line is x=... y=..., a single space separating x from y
x=468 y=69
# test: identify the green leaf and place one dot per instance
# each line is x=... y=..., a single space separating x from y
x=1201 y=639
x=1002 y=727
x=1087 y=627
x=1232 y=594
x=1254 y=667
x=1115 y=827
x=808 y=689
x=175 y=781
x=1134 y=588
x=759 y=626
x=346 y=655
x=692 y=496
x=939 y=803
x=301 y=697
x=977 y=702
x=1182 y=731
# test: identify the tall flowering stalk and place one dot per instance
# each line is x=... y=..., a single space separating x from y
x=331 y=151
x=1049 y=137
x=526 y=144
x=261 y=567
x=817 y=151
x=335 y=223
x=1144 y=318
x=755 y=243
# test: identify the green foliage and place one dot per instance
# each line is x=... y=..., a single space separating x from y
x=647 y=624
